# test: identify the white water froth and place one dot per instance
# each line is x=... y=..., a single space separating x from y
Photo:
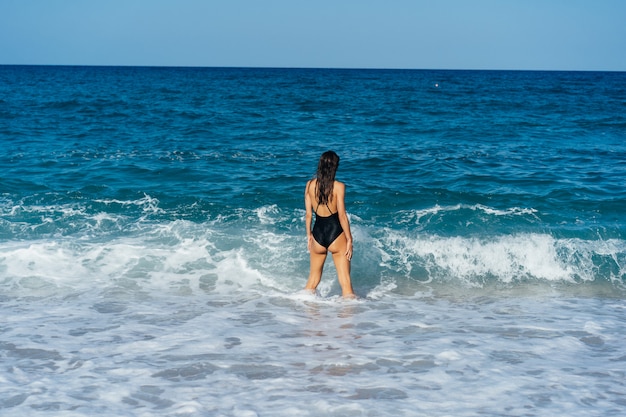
x=243 y=353
x=182 y=319
x=182 y=256
x=506 y=258
x=417 y=216
x=147 y=203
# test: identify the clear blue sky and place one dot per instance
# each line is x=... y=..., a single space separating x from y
x=446 y=34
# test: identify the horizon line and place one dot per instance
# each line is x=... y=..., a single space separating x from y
x=302 y=68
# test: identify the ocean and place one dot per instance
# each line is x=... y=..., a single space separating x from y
x=153 y=249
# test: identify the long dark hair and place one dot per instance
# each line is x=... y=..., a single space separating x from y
x=326 y=170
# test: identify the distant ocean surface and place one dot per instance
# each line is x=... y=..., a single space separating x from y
x=153 y=249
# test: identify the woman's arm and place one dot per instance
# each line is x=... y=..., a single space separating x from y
x=343 y=216
x=309 y=214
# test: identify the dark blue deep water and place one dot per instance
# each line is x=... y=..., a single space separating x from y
x=139 y=203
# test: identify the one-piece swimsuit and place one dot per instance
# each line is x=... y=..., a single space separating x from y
x=326 y=229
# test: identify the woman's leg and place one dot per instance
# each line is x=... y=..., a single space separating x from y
x=342 y=264
x=318 y=257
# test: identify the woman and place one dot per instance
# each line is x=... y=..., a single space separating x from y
x=331 y=232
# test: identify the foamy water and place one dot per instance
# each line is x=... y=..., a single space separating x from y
x=232 y=351
x=171 y=325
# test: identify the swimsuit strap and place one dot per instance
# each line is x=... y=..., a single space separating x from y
x=329 y=210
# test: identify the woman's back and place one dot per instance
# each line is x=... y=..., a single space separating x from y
x=322 y=209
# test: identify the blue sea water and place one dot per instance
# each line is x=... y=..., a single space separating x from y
x=152 y=243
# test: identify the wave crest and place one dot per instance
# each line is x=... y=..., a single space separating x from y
x=505 y=259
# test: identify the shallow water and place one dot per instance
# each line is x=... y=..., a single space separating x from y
x=242 y=353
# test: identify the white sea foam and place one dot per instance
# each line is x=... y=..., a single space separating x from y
x=505 y=258
x=423 y=215
x=186 y=256
x=168 y=323
x=147 y=203
x=267 y=214
x=228 y=351
x=182 y=318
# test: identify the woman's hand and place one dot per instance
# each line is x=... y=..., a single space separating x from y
x=349 y=249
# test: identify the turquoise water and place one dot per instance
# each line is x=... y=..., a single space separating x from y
x=152 y=242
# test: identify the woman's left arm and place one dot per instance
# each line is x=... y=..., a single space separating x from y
x=308 y=216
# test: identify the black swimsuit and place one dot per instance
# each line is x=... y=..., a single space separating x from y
x=326 y=229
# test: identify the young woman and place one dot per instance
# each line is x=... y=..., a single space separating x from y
x=331 y=232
